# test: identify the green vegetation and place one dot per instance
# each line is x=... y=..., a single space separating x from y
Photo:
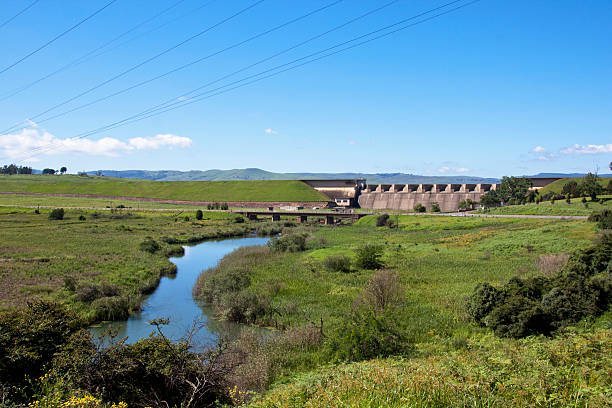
x=574 y=207
x=102 y=266
x=543 y=304
x=414 y=310
x=171 y=190
x=85 y=202
x=363 y=314
x=556 y=187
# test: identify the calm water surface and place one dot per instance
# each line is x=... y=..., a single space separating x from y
x=173 y=298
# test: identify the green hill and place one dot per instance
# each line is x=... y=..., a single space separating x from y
x=557 y=186
x=268 y=190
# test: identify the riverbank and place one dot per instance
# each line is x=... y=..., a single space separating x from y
x=431 y=265
x=99 y=264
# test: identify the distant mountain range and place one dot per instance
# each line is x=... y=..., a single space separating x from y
x=259 y=174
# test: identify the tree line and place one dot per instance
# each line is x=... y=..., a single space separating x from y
x=12 y=169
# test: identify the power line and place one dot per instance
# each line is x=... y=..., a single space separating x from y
x=289 y=66
x=183 y=100
x=85 y=57
x=172 y=71
x=57 y=37
x=140 y=64
x=19 y=13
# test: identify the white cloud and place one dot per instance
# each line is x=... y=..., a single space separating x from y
x=157 y=141
x=352 y=142
x=538 y=149
x=35 y=141
x=271 y=131
x=447 y=169
x=587 y=149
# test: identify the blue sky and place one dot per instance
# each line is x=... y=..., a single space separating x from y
x=496 y=88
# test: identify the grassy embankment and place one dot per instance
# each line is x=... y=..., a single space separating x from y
x=220 y=191
x=439 y=262
x=560 y=207
x=557 y=186
x=96 y=266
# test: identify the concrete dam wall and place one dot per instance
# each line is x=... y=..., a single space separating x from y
x=406 y=196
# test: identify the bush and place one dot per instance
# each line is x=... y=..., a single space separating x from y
x=369 y=257
x=338 y=263
x=199 y=215
x=224 y=206
x=56 y=214
x=420 y=208
x=435 y=207
x=149 y=245
x=239 y=219
x=289 y=243
x=29 y=340
x=82 y=217
x=541 y=305
x=381 y=220
x=603 y=219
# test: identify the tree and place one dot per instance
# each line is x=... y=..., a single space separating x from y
x=572 y=188
x=199 y=215
x=63 y=170
x=590 y=186
x=513 y=190
x=48 y=171
x=490 y=199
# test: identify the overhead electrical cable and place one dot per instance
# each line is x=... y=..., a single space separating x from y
x=248 y=66
x=57 y=37
x=183 y=99
x=140 y=64
x=227 y=49
x=85 y=57
x=150 y=113
x=19 y=13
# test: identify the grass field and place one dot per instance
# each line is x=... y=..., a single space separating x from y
x=560 y=207
x=43 y=258
x=85 y=202
x=557 y=186
x=268 y=190
x=439 y=261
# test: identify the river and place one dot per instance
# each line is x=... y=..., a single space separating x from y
x=173 y=298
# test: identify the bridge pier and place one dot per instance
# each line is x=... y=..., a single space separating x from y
x=302 y=219
x=252 y=217
x=329 y=220
x=275 y=217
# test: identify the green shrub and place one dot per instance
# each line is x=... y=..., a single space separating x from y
x=224 y=206
x=435 y=207
x=239 y=219
x=602 y=218
x=149 y=245
x=29 y=340
x=542 y=305
x=289 y=243
x=199 y=215
x=381 y=220
x=82 y=217
x=56 y=214
x=338 y=263
x=369 y=257
x=420 y=208
x=366 y=335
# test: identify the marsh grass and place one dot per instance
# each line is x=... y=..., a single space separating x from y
x=38 y=254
